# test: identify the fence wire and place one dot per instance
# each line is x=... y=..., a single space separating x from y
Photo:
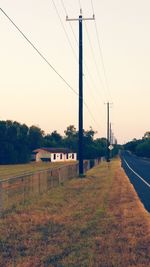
x=20 y=190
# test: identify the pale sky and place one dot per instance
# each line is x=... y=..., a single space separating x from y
x=32 y=93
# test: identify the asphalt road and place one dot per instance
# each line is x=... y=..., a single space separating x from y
x=138 y=171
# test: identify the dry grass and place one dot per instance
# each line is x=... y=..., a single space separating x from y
x=9 y=171
x=92 y=222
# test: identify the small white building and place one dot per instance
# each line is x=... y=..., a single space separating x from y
x=53 y=155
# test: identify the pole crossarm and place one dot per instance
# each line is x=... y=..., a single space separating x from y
x=80 y=18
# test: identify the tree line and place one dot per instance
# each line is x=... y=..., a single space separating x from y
x=140 y=147
x=17 y=141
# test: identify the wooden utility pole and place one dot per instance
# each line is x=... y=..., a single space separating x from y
x=80 y=142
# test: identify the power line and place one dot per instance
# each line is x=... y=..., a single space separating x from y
x=100 y=51
x=85 y=63
x=65 y=10
x=64 y=7
x=73 y=50
x=40 y=54
x=92 y=51
x=67 y=34
x=102 y=58
x=97 y=69
x=44 y=58
x=71 y=44
x=89 y=73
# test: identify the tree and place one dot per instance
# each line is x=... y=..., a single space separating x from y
x=18 y=140
x=91 y=148
x=23 y=144
x=13 y=142
x=71 y=138
x=140 y=147
x=53 y=140
x=101 y=144
x=143 y=149
x=131 y=146
x=147 y=135
x=36 y=137
x=71 y=131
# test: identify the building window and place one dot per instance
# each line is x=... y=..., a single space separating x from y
x=54 y=156
x=72 y=156
x=60 y=156
x=66 y=156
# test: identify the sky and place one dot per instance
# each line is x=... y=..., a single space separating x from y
x=116 y=54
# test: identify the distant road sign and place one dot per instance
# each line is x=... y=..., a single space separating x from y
x=110 y=147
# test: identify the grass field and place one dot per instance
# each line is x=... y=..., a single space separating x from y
x=97 y=221
x=8 y=171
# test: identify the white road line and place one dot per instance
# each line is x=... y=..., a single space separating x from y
x=136 y=174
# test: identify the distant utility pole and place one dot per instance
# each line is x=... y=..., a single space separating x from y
x=110 y=141
x=108 y=132
x=110 y=135
x=80 y=145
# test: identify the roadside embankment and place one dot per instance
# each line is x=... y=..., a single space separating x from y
x=97 y=221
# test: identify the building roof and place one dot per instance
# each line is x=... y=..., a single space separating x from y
x=53 y=150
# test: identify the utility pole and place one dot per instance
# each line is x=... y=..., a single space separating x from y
x=108 y=132
x=110 y=135
x=80 y=142
x=110 y=141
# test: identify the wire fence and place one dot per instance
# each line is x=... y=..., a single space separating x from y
x=21 y=189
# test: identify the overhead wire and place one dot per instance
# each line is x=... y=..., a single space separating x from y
x=93 y=54
x=101 y=54
x=100 y=51
x=86 y=66
x=64 y=7
x=71 y=45
x=65 y=10
x=70 y=24
x=85 y=63
x=40 y=54
x=73 y=50
x=44 y=58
